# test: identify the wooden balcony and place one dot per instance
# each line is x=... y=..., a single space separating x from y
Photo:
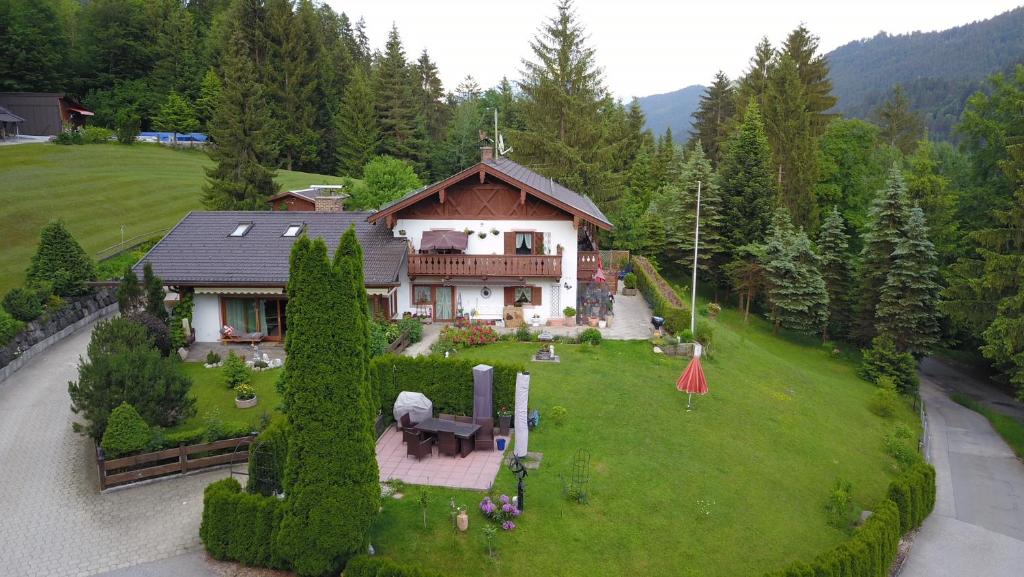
x=485 y=266
x=613 y=261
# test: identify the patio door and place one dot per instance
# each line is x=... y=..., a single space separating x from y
x=443 y=303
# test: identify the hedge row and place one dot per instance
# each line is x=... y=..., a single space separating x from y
x=873 y=548
x=363 y=566
x=239 y=526
x=448 y=383
x=661 y=296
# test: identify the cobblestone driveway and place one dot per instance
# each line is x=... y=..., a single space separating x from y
x=53 y=520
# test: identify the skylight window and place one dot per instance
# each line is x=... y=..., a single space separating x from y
x=293 y=229
x=241 y=229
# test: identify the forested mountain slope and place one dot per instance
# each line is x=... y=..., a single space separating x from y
x=672 y=110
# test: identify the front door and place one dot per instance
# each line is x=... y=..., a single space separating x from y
x=443 y=303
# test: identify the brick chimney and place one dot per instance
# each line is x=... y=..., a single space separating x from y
x=329 y=204
x=486 y=147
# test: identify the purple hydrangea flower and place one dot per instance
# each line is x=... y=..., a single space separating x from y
x=508 y=525
x=504 y=499
x=507 y=508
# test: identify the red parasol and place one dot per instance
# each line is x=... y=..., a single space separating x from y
x=599 y=275
x=692 y=381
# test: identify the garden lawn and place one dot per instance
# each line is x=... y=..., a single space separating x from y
x=214 y=401
x=735 y=488
x=96 y=188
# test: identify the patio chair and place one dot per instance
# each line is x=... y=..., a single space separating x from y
x=447 y=444
x=446 y=417
x=411 y=436
x=485 y=436
x=464 y=419
x=406 y=422
x=419 y=449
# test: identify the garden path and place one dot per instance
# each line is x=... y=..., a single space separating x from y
x=55 y=521
x=977 y=527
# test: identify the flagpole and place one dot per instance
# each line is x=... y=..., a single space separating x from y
x=693 y=297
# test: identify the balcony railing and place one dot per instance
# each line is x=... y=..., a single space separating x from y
x=485 y=266
x=613 y=261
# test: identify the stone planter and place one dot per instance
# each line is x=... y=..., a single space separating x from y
x=629 y=292
x=592 y=321
x=245 y=403
x=556 y=322
x=503 y=425
x=602 y=324
x=462 y=521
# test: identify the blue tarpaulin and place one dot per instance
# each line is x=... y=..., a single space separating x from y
x=166 y=136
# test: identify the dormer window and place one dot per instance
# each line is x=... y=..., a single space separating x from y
x=293 y=229
x=241 y=229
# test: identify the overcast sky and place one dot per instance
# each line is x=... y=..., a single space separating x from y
x=644 y=46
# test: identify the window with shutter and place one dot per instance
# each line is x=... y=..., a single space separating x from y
x=510 y=243
x=536 y=296
x=510 y=296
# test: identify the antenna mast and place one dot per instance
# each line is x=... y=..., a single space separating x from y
x=496 y=130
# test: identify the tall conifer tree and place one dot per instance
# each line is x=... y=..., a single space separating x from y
x=797 y=297
x=833 y=250
x=754 y=83
x=292 y=81
x=396 y=112
x=788 y=125
x=356 y=126
x=242 y=146
x=713 y=115
x=902 y=127
x=802 y=47
x=747 y=183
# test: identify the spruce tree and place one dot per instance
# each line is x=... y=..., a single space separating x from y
x=563 y=102
x=209 y=95
x=432 y=110
x=396 y=112
x=292 y=81
x=713 y=115
x=887 y=221
x=908 y=303
x=662 y=164
x=801 y=46
x=33 y=47
x=60 y=262
x=242 y=137
x=356 y=125
x=754 y=84
x=155 y=293
x=901 y=127
x=788 y=127
x=630 y=230
x=176 y=115
x=796 y=292
x=836 y=270
x=331 y=474
x=747 y=183
x=176 y=64
x=677 y=207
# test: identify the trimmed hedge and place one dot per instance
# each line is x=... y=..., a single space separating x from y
x=364 y=566
x=126 y=432
x=448 y=383
x=266 y=463
x=240 y=526
x=661 y=296
x=873 y=548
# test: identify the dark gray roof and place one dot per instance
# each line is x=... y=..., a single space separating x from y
x=199 y=250
x=530 y=178
x=8 y=116
x=548 y=186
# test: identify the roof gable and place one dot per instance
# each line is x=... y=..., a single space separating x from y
x=528 y=182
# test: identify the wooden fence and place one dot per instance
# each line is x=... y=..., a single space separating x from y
x=180 y=460
x=400 y=344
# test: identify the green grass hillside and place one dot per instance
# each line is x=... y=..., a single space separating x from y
x=97 y=188
x=735 y=487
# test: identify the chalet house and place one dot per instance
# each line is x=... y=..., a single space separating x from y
x=493 y=239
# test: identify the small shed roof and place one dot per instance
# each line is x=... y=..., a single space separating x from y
x=8 y=116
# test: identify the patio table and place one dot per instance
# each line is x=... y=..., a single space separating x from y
x=464 y=432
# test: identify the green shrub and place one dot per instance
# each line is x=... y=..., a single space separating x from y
x=128 y=125
x=241 y=527
x=156 y=328
x=839 y=504
x=378 y=340
x=705 y=334
x=590 y=336
x=9 y=326
x=629 y=281
x=886 y=399
x=882 y=360
x=523 y=333
x=677 y=320
x=96 y=135
x=60 y=261
x=23 y=304
x=569 y=312
x=235 y=371
x=212 y=358
x=364 y=566
x=897 y=449
x=414 y=327
x=558 y=414
x=126 y=432
x=182 y=310
x=448 y=383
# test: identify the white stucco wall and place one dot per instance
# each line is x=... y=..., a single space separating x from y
x=206 y=318
x=558 y=232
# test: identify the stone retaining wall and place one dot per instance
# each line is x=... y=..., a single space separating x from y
x=40 y=334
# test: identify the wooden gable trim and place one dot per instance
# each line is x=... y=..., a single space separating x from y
x=483 y=169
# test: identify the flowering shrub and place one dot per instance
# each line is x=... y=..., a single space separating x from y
x=472 y=335
x=503 y=512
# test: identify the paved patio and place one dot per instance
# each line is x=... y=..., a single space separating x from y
x=475 y=471
x=197 y=352
x=631 y=321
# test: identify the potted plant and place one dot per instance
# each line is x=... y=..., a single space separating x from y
x=495 y=231
x=468 y=231
x=482 y=234
x=504 y=420
x=245 y=396
x=629 y=284
x=570 y=315
x=592 y=321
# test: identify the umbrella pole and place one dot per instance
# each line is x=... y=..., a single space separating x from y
x=689 y=399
